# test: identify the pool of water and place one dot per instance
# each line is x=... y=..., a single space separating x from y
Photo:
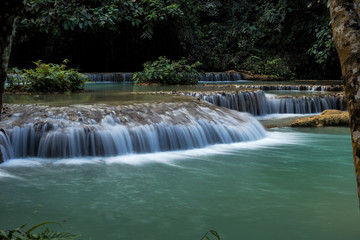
x=126 y=93
x=295 y=184
x=100 y=93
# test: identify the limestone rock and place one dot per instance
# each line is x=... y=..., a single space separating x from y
x=326 y=118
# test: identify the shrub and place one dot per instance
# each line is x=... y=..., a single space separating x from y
x=48 y=78
x=275 y=67
x=167 y=72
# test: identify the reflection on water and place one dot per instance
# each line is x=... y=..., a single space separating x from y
x=125 y=93
x=105 y=96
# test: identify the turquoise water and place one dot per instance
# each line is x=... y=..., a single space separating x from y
x=295 y=184
x=125 y=93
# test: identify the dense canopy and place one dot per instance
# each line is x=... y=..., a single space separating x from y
x=285 y=38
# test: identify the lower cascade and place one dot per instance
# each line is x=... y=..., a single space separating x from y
x=119 y=133
x=258 y=103
x=315 y=88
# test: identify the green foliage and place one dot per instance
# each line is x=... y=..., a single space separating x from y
x=47 y=234
x=227 y=33
x=223 y=35
x=323 y=48
x=48 y=78
x=275 y=67
x=165 y=71
x=59 y=16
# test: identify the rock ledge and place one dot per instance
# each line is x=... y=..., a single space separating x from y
x=326 y=118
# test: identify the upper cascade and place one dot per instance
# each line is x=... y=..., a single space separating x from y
x=221 y=77
x=85 y=131
x=110 y=77
x=258 y=103
x=126 y=77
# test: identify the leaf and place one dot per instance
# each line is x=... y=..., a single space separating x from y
x=213 y=232
x=47 y=234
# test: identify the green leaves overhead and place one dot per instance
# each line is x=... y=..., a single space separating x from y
x=57 y=16
x=223 y=35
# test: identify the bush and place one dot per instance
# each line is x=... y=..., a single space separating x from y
x=275 y=67
x=167 y=72
x=48 y=78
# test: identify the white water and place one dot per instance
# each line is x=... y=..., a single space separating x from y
x=62 y=138
x=259 y=104
x=271 y=140
x=313 y=88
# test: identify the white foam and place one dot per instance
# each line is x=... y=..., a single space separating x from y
x=78 y=161
x=4 y=174
x=284 y=115
x=272 y=139
x=27 y=162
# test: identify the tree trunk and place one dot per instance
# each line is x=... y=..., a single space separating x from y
x=9 y=11
x=346 y=30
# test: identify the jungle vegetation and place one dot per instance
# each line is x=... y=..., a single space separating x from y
x=285 y=38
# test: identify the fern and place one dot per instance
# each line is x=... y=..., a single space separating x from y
x=47 y=234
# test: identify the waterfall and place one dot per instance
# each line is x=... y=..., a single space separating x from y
x=321 y=88
x=127 y=77
x=110 y=77
x=221 y=77
x=258 y=103
x=180 y=129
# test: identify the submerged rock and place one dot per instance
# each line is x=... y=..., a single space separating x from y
x=326 y=118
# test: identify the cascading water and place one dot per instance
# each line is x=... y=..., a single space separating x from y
x=126 y=77
x=110 y=77
x=221 y=77
x=321 y=88
x=258 y=103
x=141 y=131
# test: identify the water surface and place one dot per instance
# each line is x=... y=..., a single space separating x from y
x=296 y=184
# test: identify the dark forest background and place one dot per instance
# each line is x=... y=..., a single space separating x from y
x=286 y=38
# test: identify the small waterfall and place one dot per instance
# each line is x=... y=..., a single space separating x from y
x=55 y=138
x=127 y=77
x=221 y=77
x=320 y=88
x=258 y=104
x=110 y=77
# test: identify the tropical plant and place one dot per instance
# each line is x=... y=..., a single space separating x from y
x=275 y=67
x=47 y=234
x=165 y=71
x=48 y=77
x=60 y=16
